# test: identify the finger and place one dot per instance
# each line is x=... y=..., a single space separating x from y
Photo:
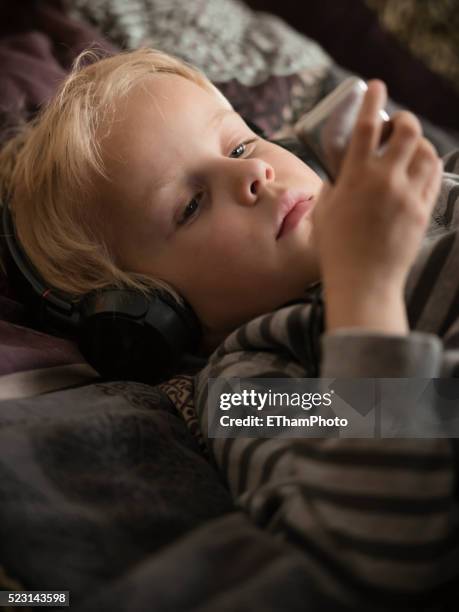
x=367 y=132
x=432 y=188
x=323 y=193
x=404 y=140
x=423 y=163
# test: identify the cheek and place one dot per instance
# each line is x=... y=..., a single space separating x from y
x=227 y=247
x=313 y=178
x=228 y=260
x=289 y=164
x=229 y=237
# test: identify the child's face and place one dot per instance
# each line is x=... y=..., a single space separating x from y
x=194 y=199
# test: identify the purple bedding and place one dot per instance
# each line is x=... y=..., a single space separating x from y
x=104 y=493
x=37 y=46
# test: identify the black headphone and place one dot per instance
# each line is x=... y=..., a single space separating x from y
x=122 y=333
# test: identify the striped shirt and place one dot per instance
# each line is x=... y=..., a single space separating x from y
x=377 y=519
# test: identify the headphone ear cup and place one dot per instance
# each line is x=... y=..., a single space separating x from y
x=127 y=335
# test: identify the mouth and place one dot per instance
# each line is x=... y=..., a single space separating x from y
x=292 y=207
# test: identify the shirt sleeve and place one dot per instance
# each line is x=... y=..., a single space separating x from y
x=353 y=354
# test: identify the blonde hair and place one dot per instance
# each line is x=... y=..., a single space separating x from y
x=47 y=171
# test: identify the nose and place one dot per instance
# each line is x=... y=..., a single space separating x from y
x=248 y=177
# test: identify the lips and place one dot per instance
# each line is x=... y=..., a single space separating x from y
x=293 y=205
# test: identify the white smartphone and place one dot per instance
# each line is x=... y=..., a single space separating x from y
x=327 y=128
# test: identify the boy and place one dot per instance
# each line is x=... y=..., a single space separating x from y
x=139 y=173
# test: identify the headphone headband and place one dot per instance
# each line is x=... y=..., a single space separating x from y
x=34 y=288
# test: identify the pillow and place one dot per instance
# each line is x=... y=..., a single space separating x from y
x=268 y=71
x=224 y=38
x=32 y=363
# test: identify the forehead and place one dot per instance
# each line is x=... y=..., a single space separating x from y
x=158 y=114
x=168 y=98
x=156 y=119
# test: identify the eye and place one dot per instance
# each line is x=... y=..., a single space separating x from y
x=241 y=148
x=190 y=209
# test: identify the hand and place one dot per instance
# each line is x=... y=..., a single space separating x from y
x=369 y=225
